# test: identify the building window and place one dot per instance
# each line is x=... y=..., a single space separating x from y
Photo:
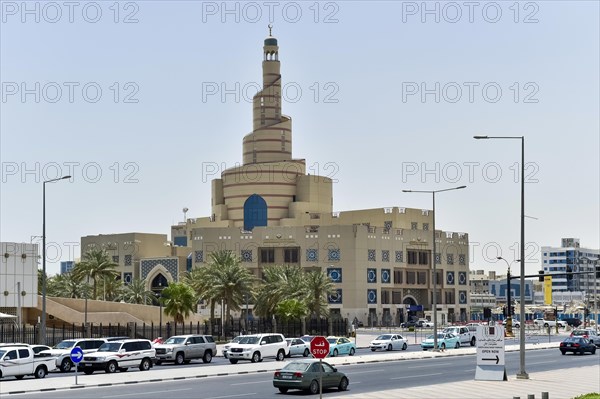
x=267 y=255
x=450 y=259
x=423 y=258
x=199 y=256
x=411 y=278
x=371 y=255
x=335 y=274
x=246 y=255
x=399 y=256
x=422 y=278
x=425 y=226
x=462 y=259
x=371 y=275
x=449 y=297
x=385 y=297
x=418 y=257
x=127 y=278
x=115 y=258
x=334 y=255
x=128 y=260
x=385 y=255
x=312 y=255
x=290 y=255
x=386 y=276
x=413 y=225
x=412 y=257
x=397 y=276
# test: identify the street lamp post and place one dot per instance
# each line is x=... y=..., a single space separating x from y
x=522 y=373
x=509 y=322
x=434 y=296
x=43 y=322
x=595 y=287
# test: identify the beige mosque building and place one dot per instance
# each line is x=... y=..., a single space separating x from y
x=270 y=211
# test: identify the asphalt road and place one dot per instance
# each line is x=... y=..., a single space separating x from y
x=364 y=378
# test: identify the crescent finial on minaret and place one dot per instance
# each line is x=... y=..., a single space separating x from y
x=270 y=27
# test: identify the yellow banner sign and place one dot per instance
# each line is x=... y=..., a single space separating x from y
x=547 y=290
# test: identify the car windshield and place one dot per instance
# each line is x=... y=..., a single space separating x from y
x=2 y=353
x=307 y=338
x=297 y=366
x=249 y=340
x=384 y=337
x=439 y=336
x=175 y=340
x=581 y=332
x=65 y=344
x=110 y=347
x=236 y=339
x=332 y=340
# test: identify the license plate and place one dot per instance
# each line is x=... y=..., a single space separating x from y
x=286 y=377
x=569 y=345
x=86 y=365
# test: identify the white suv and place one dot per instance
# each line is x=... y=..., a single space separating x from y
x=120 y=355
x=257 y=347
x=62 y=351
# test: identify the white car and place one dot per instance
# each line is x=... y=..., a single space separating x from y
x=298 y=347
x=515 y=323
x=120 y=355
x=256 y=347
x=539 y=322
x=389 y=342
x=62 y=351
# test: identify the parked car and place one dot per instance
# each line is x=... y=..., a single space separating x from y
x=577 y=345
x=410 y=323
x=257 y=347
x=19 y=361
x=227 y=345
x=389 y=342
x=589 y=333
x=573 y=321
x=120 y=355
x=62 y=351
x=182 y=349
x=539 y=322
x=466 y=336
x=297 y=347
x=341 y=346
x=303 y=374
x=307 y=338
x=444 y=340
x=424 y=323
x=38 y=348
x=515 y=323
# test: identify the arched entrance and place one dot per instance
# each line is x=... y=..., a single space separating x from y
x=255 y=212
x=158 y=283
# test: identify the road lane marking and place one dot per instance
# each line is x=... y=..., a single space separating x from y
x=413 y=376
x=429 y=365
x=137 y=393
x=232 y=396
x=367 y=371
x=253 y=382
x=539 y=363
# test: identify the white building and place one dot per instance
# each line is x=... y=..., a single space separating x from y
x=571 y=257
x=18 y=276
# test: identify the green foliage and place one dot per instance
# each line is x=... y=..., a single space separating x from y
x=589 y=396
x=136 y=293
x=291 y=309
x=95 y=267
x=180 y=300
x=66 y=285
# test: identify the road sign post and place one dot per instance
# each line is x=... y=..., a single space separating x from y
x=76 y=357
x=319 y=347
x=490 y=354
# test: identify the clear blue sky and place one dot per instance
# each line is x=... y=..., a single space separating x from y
x=361 y=82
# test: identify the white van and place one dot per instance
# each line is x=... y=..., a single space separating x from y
x=256 y=347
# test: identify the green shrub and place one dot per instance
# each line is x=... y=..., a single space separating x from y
x=589 y=396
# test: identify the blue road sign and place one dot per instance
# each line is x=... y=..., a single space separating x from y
x=76 y=354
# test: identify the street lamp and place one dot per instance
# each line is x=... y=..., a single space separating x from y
x=432 y=192
x=508 y=298
x=595 y=287
x=522 y=373
x=43 y=326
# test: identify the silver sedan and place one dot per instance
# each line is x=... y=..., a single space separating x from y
x=389 y=342
x=298 y=347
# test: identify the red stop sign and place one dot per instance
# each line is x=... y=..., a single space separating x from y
x=319 y=347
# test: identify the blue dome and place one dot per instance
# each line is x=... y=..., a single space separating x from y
x=270 y=41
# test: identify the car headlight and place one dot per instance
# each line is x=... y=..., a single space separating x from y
x=169 y=350
x=100 y=359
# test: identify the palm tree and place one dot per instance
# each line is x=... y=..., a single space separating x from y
x=136 y=292
x=318 y=286
x=280 y=282
x=291 y=309
x=96 y=265
x=66 y=286
x=112 y=288
x=180 y=300
x=201 y=280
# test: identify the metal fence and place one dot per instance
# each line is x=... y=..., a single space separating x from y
x=54 y=334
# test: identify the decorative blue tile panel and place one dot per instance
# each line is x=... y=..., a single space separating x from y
x=146 y=266
x=335 y=274
x=371 y=275
x=115 y=258
x=462 y=297
x=387 y=225
x=128 y=260
x=438 y=258
x=450 y=259
x=425 y=226
x=462 y=259
x=386 y=276
x=385 y=255
x=246 y=255
x=127 y=278
x=336 y=297
x=371 y=296
x=334 y=255
x=198 y=256
x=312 y=255
x=462 y=278
x=399 y=256
x=450 y=278
x=371 y=255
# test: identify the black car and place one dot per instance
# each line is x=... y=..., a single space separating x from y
x=573 y=321
x=577 y=345
x=411 y=323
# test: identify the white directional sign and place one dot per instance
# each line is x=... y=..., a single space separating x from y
x=490 y=353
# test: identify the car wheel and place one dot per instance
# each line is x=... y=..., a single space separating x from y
x=473 y=341
x=404 y=346
x=594 y=350
x=343 y=384
x=123 y=369
x=352 y=351
x=283 y=390
x=233 y=361
x=373 y=349
x=145 y=365
x=443 y=346
x=111 y=367
x=66 y=365
x=314 y=387
x=389 y=348
x=19 y=377
x=306 y=353
x=207 y=358
x=179 y=359
x=280 y=355
x=40 y=372
x=582 y=352
x=563 y=352
x=88 y=371
x=255 y=357
x=457 y=345
x=335 y=352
